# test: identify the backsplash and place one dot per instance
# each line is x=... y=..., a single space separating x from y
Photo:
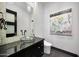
x=23 y=20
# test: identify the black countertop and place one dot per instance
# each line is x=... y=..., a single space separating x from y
x=18 y=45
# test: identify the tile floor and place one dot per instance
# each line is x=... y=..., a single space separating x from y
x=57 y=53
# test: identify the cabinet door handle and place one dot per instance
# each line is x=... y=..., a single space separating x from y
x=41 y=52
x=38 y=47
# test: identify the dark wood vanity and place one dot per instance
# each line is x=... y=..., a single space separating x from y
x=27 y=49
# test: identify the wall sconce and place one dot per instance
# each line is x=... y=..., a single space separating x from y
x=29 y=8
x=2 y=21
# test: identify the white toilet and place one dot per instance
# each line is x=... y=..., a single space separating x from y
x=47 y=47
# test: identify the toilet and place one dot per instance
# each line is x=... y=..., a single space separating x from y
x=47 y=47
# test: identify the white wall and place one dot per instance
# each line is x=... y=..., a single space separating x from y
x=68 y=43
x=2 y=8
x=38 y=16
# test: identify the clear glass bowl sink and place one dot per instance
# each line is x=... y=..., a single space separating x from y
x=28 y=39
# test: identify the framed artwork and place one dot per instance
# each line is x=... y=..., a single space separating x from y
x=61 y=23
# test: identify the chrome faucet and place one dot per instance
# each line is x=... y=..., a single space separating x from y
x=23 y=32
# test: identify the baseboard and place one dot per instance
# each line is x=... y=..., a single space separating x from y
x=72 y=54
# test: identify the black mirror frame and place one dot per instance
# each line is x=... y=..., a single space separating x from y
x=12 y=23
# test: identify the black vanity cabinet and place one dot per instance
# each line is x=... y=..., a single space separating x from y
x=34 y=50
x=38 y=49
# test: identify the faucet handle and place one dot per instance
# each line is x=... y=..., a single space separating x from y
x=25 y=31
x=21 y=31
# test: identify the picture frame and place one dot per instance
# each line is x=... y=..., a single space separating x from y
x=61 y=23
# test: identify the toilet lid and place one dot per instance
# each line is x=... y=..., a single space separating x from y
x=47 y=43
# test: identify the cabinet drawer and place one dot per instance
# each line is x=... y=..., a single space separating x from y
x=35 y=50
x=38 y=49
x=41 y=43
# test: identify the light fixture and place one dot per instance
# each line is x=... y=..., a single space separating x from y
x=2 y=21
x=29 y=8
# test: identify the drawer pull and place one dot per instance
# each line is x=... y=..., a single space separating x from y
x=38 y=47
x=41 y=52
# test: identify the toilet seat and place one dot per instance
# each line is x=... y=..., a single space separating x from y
x=47 y=43
x=47 y=47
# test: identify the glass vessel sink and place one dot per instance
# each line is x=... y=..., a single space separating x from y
x=27 y=39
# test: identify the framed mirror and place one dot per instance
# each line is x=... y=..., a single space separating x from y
x=11 y=23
